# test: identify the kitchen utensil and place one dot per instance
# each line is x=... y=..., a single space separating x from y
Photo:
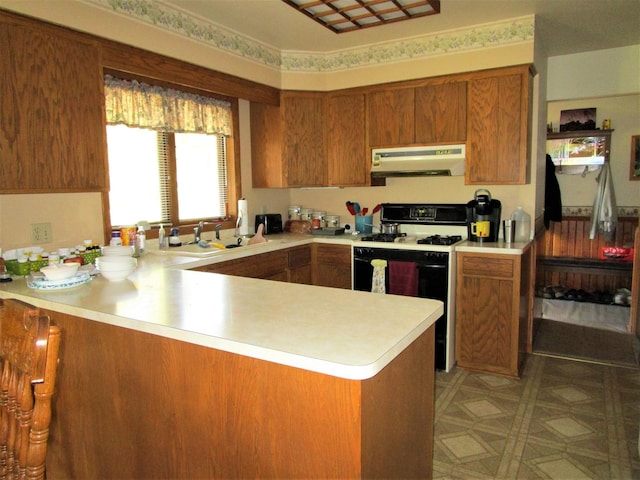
x=376 y=209
x=356 y=208
x=350 y=208
x=364 y=211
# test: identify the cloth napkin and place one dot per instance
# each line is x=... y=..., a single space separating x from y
x=403 y=278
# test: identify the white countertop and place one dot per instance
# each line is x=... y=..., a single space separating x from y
x=343 y=333
x=500 y=247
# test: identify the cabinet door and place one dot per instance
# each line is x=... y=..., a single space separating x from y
x=391 y=117
x=441 y=113
x=304 y=139
x=497 y=129
x=300 y=265
x=267 y=169
x=346 y=150
x=487 y=325
x=332 y=265
x=52 y=134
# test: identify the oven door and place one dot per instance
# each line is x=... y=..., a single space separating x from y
x=433 y=281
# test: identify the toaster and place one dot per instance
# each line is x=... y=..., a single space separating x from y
x=272 y=223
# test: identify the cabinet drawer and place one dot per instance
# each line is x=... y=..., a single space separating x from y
x=332 y=254
x=488 y=266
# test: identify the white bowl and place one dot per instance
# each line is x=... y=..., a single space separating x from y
x=60 y=271
x=117 y=275
x=115 y=263
x=117 y=250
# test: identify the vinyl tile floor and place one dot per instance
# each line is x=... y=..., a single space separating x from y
x=564 y=419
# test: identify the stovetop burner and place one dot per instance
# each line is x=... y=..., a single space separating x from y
x=440 y=240
x=382 y=237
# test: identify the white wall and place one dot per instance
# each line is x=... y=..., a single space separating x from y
x=608 y=80
x=594 y=74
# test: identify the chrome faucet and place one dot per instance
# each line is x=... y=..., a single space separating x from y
x=197 y=231
x=218 y=227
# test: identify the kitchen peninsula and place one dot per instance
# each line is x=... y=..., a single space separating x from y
x=175 y=373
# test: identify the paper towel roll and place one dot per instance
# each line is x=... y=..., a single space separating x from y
x=243 y=215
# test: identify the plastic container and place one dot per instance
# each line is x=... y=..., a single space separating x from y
x=162 y=240
x=141 y=241
x=523 y=225
x=115 y=239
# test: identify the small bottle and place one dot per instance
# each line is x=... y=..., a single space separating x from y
x=141 y=240
x=115 y=238
x=162 y=240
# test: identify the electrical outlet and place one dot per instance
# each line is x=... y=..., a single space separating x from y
x=41 y=233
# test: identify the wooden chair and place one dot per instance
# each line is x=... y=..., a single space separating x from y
x=29 y=346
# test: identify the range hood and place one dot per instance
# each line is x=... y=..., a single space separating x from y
x=418 y=161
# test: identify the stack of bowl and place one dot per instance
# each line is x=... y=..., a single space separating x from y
x=116 y=267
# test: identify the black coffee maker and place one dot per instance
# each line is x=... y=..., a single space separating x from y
x=483 y=209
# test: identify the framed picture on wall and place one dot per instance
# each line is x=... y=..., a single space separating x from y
x=634 y=166
x=578 y=119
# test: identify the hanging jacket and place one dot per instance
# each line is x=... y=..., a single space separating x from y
x=552 y=197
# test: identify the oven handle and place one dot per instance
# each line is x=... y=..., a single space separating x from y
x=420 y=265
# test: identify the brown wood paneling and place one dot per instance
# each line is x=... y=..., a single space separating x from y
x=391 y=117
x=569 y=239
x=304 y=144
x=497 y=135
x=331 y=265
x=268 y=168
x=126 y=58
x=130 y=404
x=348 y=161
x=52 y=135
x=441 y=113
x=489 y=318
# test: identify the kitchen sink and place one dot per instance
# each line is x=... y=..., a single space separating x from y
x=195 y=250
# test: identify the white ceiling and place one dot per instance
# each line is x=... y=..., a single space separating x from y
x=563 y=26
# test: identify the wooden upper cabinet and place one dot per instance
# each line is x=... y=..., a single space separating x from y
x=346 y=150
x=431 y=113
x=441 y=113
x=497 y=127
x=391 y=117
x=304 y=138
x=288 y=142
x=52 y=134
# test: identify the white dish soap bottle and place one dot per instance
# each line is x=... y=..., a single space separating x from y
x=523 y=225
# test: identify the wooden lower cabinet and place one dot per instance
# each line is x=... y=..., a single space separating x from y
x=269 y=266
x=331 y=265
x=494 y=299
x=130 y=404
x=317 y=264
x=300 y=265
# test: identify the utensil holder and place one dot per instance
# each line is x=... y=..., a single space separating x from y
x=364 y=223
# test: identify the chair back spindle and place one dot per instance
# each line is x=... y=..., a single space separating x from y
x=29 y=346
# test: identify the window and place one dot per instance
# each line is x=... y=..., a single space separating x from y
x=167 y=154
x=143 y=187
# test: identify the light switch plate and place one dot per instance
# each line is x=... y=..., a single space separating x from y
x=41 y=233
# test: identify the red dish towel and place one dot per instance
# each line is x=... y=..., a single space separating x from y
x=403 y=278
